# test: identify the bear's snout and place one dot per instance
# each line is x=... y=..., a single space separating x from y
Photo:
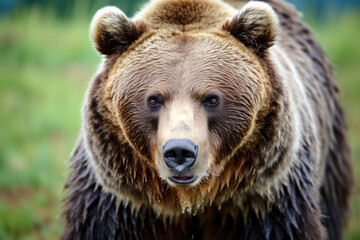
x=179 y=155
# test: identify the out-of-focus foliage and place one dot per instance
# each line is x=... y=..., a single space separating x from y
x=65 y=8
x=46 y=62
x=68 y=8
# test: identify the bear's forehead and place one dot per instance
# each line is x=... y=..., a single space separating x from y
x=187 y=50
x=195 y=62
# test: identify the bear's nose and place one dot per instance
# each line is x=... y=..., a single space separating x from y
x=180 y=154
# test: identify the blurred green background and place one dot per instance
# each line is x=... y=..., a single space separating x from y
x=46 y=62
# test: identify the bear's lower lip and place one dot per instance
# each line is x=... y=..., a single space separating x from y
x=183 y=179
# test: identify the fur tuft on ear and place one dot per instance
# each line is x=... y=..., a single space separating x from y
x=256 y=26
x=112 y=31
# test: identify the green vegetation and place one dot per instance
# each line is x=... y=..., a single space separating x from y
x=340 y=38
x=45 y=66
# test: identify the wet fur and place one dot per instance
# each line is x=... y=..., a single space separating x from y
x=255 y=197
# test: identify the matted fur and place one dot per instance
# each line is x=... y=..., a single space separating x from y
x=273 y=159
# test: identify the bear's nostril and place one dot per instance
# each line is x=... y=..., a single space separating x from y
x=170 y=154
x=187 y=154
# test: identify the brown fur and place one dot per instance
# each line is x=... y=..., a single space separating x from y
x=273 y=157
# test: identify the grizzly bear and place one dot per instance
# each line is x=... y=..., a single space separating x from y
x=209 y=119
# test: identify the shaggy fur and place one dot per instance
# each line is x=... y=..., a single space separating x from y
x=273 y=157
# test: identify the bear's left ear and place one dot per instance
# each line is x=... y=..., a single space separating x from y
x=112 y=31
x=256 y=26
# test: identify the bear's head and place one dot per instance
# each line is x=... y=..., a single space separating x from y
x=179 y=100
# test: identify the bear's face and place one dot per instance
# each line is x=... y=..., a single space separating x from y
x=185 y=101
x=189 y=87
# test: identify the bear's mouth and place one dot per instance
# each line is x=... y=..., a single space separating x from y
x=182 y=180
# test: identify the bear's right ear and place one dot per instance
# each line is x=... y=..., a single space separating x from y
x=256 y=25
x=112 y=31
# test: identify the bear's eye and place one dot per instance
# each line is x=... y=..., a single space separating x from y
x=211 y=101
x=155 y=101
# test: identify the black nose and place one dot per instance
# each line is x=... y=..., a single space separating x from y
x=180 y=154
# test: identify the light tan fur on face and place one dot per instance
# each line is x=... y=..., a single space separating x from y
x=182 y=119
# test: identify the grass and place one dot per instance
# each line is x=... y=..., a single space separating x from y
x=45 y=66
